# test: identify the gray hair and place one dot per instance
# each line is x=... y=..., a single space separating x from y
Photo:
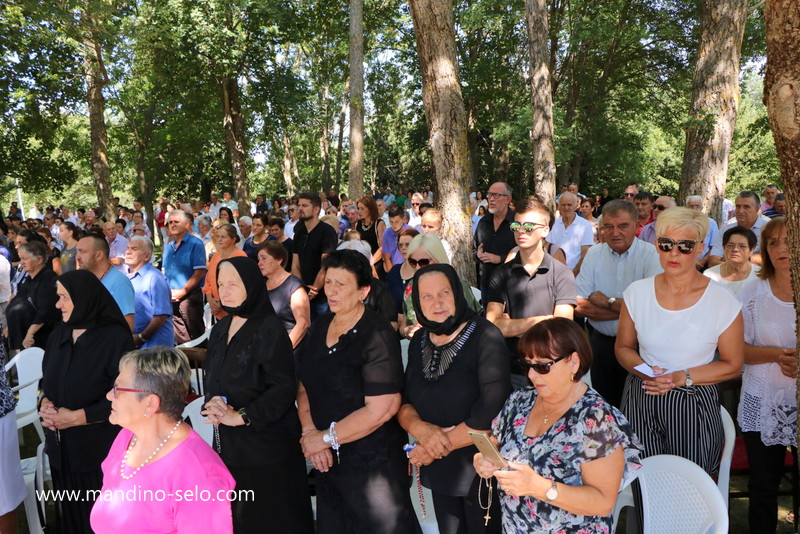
x=247 y=220
x=162 y=371
x=146 y=242
x=183 y=215
x=204 y=219
x=358 y=245
x=694 y=198
x=613 y=207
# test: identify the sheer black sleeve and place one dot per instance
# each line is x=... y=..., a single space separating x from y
x=494 y=378
x=382 y=372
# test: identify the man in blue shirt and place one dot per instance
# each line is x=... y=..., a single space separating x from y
x=153 y=320
x=91 y=253
x=185 y=269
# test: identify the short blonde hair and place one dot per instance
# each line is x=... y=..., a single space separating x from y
x=431 y=244
x=679 y=218
x=433 y=215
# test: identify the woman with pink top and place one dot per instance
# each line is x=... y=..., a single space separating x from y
x=159 y=476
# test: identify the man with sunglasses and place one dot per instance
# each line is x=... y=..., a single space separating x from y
x=648 y=233
x=531 y=287
x=294 y=216
x=414 y=216
x=493 y=236
x=607 y=270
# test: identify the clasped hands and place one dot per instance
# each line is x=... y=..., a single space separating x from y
x=219 y=412
x=59 y=418
x=518 y=480
x=433 y=443
x=316 y=450
x=662 y=383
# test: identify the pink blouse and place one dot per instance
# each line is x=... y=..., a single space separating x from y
x=186 y=491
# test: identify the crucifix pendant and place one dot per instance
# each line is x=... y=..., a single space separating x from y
x=487 y=517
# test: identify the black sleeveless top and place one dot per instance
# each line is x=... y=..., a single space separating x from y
x=370 y=235
x=281 y=299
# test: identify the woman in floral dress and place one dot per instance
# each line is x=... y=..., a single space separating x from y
x=567 y=448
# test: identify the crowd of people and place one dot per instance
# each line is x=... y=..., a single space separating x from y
x=598 y=335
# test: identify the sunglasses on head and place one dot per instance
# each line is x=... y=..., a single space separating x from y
x=685 y=246
x=424 y=262
x=528 y=227
x=540 y=368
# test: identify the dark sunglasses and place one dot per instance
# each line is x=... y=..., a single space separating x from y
x=660 y=207
x=527 y=226
x=424 y=262
x=540 y=368
x=685 y=246
x=630 y=194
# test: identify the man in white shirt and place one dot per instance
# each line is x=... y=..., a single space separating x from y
x=607 y=270
x=414 y=217
x=294 y=216
x=117 y=245
x=747 y=207
x=573 y=235
x=213 y=208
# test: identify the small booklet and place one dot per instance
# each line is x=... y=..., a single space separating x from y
x=648 y=371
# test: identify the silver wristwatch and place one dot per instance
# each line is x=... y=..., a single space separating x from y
x=552 y=493
x=689 y=381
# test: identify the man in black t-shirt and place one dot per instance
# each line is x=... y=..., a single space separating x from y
x=312 y=242
x=531 y=287
x=493 y=238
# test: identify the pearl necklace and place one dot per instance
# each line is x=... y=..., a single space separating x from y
x=152 y=455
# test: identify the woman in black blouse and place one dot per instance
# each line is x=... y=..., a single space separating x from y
x=32 y=314
x=351 y=376
x=81 y=361
x=457 y=380
x=287 y=293
x=250 y=391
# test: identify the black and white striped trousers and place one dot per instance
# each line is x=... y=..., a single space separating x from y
x=683 y=422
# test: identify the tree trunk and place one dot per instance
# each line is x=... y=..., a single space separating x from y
x=447 y=125
x=145 y=186
x=340 y=140
x=356 y=171
x=715 y=104
x=97 y=78
x=324 y=142
x=288 y=157
x=782 y=96
x=544 y=159
x=233 y=124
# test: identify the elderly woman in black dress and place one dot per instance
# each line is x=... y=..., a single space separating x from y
x=457 y=380
x=250 y=391
x=81 y=361
x=351 y=376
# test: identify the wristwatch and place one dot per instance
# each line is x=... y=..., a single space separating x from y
x=611 y=302
x=244 y=417
x=326 y=438
x=552 y=493
x=689 y=381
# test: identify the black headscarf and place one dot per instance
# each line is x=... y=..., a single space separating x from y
x=94 y=305
x=463 y=312
x=257 y=303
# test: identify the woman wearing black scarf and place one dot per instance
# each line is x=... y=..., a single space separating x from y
x=81 y=361
x=457 y=380
x=250 y=394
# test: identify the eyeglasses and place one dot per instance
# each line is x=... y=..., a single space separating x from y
x=174 y=222
x=630 y=194
x=659 y=207
x=424 y=262
x=415 y=204
x=685 y=246
x=734 y=246
x=497 y=195
x=116 y=390
x=540 y=368
x=527 y=226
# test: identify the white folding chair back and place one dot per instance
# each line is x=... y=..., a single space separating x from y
x=196 y=341
x=724 y=478
x=678 y=496
x=198 y=421
x=28 y=364
x=477 y=294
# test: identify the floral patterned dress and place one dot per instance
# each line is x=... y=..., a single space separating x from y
x=589 y=430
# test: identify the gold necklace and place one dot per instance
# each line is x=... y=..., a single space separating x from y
x=547 y=415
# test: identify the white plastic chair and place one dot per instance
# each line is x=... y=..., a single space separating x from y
x=28 y=364
x=198 y=421
x=477 y=294
x=678 y=496
x=404 y=344
x=35 y=472
x=724 y=477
